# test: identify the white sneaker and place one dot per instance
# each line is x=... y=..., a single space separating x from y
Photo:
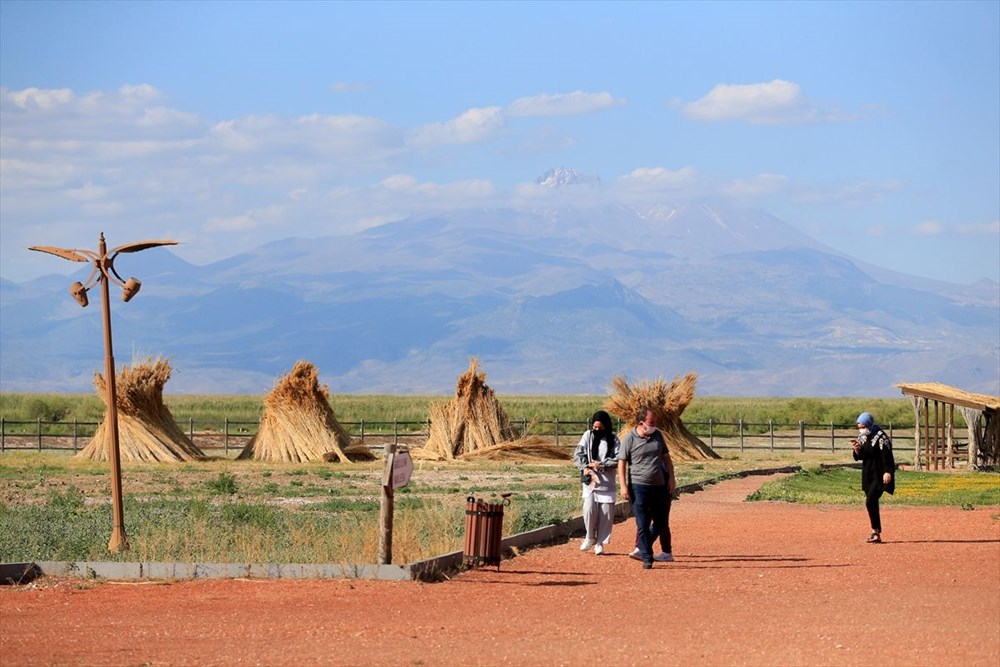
x=586 y=544
x=635 y=554
x=664 y=557
x=599 y=549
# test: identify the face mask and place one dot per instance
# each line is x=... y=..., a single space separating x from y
x=863 y=431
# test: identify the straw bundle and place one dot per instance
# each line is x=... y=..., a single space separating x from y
x=528 y=448
x=299 y=425
x=146 y=429
x=667 y=402
x=471 y=421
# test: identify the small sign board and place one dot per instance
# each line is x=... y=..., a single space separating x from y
x=402 y=468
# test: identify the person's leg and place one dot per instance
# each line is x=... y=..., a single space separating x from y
x=590 y=510
x=872 y=496
x=605 y=519
x=643 y=510
x=658 y=512
x=665 y=538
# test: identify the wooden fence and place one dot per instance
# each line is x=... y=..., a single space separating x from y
x=231 y=436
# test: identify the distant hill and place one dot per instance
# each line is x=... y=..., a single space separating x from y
x=551 y=301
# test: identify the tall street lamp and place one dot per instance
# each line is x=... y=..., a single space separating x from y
x=103 y=273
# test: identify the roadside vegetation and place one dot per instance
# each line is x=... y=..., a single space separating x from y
x=53 y=507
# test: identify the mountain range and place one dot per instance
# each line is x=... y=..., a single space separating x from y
x=551 y=300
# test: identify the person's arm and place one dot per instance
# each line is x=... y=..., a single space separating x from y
x=888 y=462
x=669 y=465
x=581 y=456
x=622 y=477
x=611 y=460
x=623 y=469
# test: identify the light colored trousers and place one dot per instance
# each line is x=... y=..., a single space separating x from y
x=597 y=519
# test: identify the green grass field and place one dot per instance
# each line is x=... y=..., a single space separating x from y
x=53 y=507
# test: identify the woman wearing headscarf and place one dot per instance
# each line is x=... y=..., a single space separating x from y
x=595 y=456
x=878 y=468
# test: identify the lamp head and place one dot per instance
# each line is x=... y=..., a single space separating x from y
x=79 y=293
x=130 y=289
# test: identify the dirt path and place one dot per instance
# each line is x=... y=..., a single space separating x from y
x=753 y=584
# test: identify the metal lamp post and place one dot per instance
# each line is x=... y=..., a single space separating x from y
x=104 y=273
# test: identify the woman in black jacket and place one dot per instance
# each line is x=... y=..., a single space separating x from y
x=878 y=468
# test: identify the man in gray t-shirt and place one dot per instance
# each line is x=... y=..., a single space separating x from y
x=646 y=477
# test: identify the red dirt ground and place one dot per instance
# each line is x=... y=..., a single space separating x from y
x=753 y=584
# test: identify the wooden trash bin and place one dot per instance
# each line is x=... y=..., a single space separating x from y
x=483 y=532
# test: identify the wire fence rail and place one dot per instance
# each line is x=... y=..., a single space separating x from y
x=232 y=436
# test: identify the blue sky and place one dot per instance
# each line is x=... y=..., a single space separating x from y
x=874 y=127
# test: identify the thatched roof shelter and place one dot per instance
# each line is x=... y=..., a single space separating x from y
x=146 y=428
x=667 y=402
x=934 y=442
x=299 y=425
x=473 y=425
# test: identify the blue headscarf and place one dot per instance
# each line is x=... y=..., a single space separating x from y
x=866 y=419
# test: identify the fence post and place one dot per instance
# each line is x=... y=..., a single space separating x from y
x=770 y=430
x=395 y=432
x=802 y=436
x=39 y=428
x=711 y=433
x=225 y=436
x=3 y=432
x=833 y=438
x=557 y=431
x=362 y=430
x=74 y=434
x=741 y=434
x=191 y=429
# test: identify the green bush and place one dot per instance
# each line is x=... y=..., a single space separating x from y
x=225 y=483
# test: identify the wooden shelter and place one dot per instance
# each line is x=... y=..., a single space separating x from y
x=667 y=402
x=934 y=442
x=146 y=428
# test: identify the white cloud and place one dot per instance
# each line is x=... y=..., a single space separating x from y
x=562 y=104
x=472 y=126
x=37 y=98
x=756 y=186
x=985 y=228
x=773 y=103
x=929 y=228
x=349 y=87
x=852 y=194
x=658 y=178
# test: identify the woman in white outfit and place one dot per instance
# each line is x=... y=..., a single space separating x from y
x=595 y=456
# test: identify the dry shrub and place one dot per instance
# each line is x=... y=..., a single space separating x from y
x=667 y=402
x=299 y=425
x=146 y=429
x=472 y=422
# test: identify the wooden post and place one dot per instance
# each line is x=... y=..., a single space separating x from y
x=385 y=510
x=770 y=431
x=802 y=436
x=949 y=434
x=39 y=431
x=741 y=434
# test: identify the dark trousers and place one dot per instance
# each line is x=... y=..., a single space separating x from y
x=872 y=494
x=666 y=544
x=649 y=507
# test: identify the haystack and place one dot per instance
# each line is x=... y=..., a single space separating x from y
x=473 y=425
x=299 y=425
x=146 y=429
x=667 y=402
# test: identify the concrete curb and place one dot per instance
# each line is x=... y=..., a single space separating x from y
x=430 y=569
